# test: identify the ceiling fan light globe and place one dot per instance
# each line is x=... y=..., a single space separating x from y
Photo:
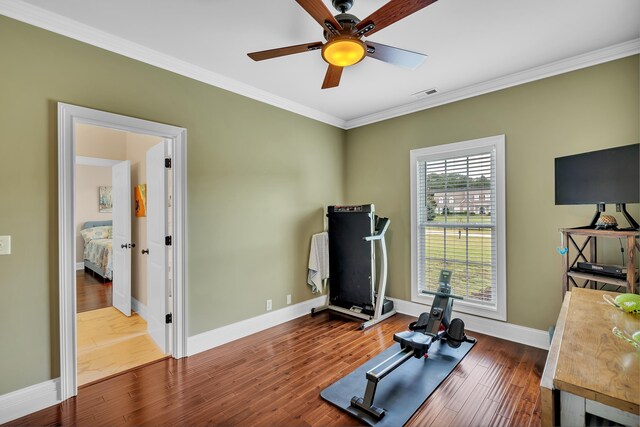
x=344 y=52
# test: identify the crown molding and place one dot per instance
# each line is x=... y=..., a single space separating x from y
x=33 y=15
x=589 y=59
x=30 y=14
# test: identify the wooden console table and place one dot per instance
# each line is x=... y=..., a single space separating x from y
x=588 y=368
x=570 y=277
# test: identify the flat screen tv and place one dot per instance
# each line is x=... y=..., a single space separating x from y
x=604 y=176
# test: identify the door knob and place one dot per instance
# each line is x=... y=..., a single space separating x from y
x=123 y=246
x=132 y=245
x=145 y=251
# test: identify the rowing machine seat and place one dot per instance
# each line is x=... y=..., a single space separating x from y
x=416 y=341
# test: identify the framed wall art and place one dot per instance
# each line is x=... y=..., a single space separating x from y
x=140 y=193
x=105 y=202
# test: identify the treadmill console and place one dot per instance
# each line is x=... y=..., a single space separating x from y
x=350 y=209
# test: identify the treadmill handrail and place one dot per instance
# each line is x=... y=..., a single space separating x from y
x=379 y=235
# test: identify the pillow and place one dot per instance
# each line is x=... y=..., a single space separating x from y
x=103 y=232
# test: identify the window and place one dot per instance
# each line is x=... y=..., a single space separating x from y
x=466 y=239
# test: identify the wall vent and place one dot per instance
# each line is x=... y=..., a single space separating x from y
x=425 y=93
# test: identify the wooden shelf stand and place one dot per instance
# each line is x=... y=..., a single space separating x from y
x=587 y=251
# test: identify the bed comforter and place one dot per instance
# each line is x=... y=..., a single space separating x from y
x=99 y=252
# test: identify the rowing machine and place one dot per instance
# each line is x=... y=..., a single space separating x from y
x=430 y=327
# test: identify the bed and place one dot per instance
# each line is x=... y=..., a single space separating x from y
x=98 y=251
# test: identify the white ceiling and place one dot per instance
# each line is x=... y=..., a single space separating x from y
x=468 y=43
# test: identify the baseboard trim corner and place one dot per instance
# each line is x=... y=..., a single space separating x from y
x=495 y=328
x=219 y=336
x=139 y=308
x=30 y=399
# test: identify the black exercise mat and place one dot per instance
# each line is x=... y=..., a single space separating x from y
x=401 y=392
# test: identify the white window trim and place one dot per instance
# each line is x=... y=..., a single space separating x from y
x=444 y=151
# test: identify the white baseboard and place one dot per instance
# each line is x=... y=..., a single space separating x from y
x=79 y=265
x=28 y=400
x=216 y=337
x=139 y=308
x=494 y=328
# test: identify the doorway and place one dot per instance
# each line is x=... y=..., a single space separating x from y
x=121 y=200
x=170 y=257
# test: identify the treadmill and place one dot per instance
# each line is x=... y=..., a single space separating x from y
x=353 y=231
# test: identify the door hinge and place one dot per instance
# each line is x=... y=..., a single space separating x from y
x=168 y=318
x=167 y=240
x=167 y=163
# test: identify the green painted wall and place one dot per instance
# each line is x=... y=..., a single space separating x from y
x=581 y=111
x=258 y=178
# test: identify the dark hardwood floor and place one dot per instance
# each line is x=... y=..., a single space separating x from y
x=274 y=378
x=92 y=293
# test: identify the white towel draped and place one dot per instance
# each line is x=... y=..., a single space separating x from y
x=318 y=262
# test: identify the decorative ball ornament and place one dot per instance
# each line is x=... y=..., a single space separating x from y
x=606 y=222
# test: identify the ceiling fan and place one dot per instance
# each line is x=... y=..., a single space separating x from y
x=344 y=33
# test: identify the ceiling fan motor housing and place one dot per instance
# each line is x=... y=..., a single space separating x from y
x=344 y=47
x=348 y=23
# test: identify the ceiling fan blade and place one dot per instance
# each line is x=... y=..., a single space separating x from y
x=320 y=13
x=392 y=12
x=332 y=78
x=396 y=56
x=283 y=51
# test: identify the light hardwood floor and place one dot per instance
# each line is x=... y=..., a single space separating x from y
x=110 y=342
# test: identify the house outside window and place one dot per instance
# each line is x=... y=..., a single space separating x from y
x=467 y=236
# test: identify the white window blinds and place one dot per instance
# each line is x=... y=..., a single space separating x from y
x=456 y=227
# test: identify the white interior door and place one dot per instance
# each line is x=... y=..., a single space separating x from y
x=121 y=196
x=156 y=233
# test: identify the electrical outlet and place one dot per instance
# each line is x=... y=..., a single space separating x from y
x=5 y=245
x=288 y=299
x=269 y=305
